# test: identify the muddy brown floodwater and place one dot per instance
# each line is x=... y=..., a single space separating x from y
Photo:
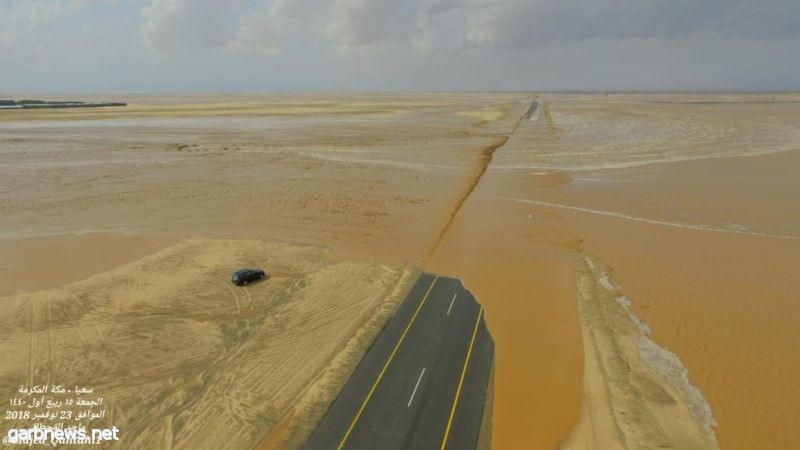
x=685 y=204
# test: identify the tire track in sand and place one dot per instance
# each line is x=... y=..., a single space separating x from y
x=236 y=299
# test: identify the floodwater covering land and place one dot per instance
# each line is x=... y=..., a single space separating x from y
x=625 y=246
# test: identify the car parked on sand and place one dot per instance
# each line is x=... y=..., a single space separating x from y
x=244 y=277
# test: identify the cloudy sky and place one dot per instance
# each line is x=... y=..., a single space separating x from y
x=303 y=45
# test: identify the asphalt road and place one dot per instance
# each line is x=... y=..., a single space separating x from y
x=531 y=110
x=422 y=384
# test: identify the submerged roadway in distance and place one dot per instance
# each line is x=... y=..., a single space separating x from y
x=423 y=383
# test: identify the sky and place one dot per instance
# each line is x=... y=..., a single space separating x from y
x=73 y=46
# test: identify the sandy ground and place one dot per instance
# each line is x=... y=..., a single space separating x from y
x=636 y=394
x=173 y=348
x=680 y=199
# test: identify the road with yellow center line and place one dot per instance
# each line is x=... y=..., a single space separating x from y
x=423 y=382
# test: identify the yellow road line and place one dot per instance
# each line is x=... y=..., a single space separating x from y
x=385 y=366
x=461 y=381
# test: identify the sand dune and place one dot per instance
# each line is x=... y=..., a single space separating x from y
x=172 y=347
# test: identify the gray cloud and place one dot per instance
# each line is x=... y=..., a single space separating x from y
x=24 y=25
x=255 y=33
x=367 y=22
x=449 y=25
x=400 y=44
x=526 y=23
x=190 y=23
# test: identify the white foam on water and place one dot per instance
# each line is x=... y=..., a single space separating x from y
x=619 y=215
x=595 y=180
x=670 y=367
x=606 y=282
x=626 y=304
x=348 y=159
x=736 y=227
x=663 y=361
x=596 y=162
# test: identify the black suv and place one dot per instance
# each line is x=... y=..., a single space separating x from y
x=246 y=276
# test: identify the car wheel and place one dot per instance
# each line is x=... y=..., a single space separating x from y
x=244 y=283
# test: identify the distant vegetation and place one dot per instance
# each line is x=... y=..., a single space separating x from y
x=26 y=104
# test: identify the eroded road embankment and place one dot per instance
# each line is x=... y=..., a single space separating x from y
x=482 y=165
